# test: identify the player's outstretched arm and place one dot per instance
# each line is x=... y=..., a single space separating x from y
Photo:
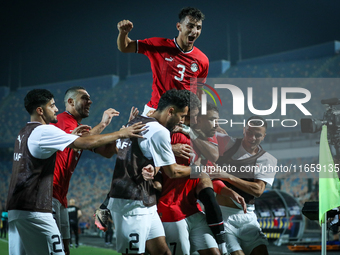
x=94 y=141
x=124 y=43
x=108 y=150
x=221 y=189
x=255 y=188
x=177 y=171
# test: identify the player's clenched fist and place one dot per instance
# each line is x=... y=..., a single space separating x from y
x=125 y=26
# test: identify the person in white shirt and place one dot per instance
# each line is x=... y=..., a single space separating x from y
x=252 y=171
x=132 y=200
x=32 y=229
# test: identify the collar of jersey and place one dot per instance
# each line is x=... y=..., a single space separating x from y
x=72 y=116
x=185 y=52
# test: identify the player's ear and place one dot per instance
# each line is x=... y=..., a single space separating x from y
x=171 y=111
x=178 y=26
x=39 y=110
x=70 y=101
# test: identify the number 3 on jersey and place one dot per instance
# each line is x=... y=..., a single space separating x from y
x=181 y=72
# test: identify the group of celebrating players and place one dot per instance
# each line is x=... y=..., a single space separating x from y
x=154 y=192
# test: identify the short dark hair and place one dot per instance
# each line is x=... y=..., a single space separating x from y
x=211 y=107
x=177 y=98
x=194 y=102
x=190 y=11
x=257 y=121
x=36 y=98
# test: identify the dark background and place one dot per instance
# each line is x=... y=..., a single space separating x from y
x=50 y=41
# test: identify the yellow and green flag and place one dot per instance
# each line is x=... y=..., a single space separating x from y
x=329 y=184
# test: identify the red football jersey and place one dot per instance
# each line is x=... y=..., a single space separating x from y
x=178 y=199
x=172 y=67
x=66 y=160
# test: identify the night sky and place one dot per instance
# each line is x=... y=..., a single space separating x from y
x=51 y=41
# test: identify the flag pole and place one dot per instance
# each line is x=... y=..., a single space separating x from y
x=324 y=236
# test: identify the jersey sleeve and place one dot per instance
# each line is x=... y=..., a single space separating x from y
x=144 y=46
x=267 y=168
x=47 y=139
x=178 y=138
x=218 y=185
x=161 y=150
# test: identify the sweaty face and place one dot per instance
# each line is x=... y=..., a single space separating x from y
x=82 y=103
x=207 y=123
x=189 y=30
x=50 y=112
x=252 y=137
x=176 y=117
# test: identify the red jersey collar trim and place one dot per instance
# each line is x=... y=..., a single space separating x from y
x=72 y=117
x=185 y=52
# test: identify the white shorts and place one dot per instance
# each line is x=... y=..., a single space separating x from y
x=33 y=233
x=146 y=110
x=243 y=230
x=133 y=231
x=60 y=214
x=189 y=235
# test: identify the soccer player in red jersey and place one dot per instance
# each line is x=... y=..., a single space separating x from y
x=77 y=102
x=174 y=62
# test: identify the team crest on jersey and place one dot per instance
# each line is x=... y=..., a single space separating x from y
x=194 y=67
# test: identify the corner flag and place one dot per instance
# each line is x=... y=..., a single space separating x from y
x=329 y=184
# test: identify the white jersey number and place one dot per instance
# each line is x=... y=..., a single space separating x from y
x=181 y=72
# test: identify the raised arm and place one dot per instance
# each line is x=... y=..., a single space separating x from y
x=106 y=120
x=124 y=43
x=107 y=150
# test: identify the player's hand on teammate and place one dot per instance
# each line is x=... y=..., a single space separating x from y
x=200 y=133
x=81 y=130
x=239 y=199
x=133 y=113
x=107 y=116
x=182 y=150
x=148 y=172
x=132 y=131
x=177 y=129
x=125 y=26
